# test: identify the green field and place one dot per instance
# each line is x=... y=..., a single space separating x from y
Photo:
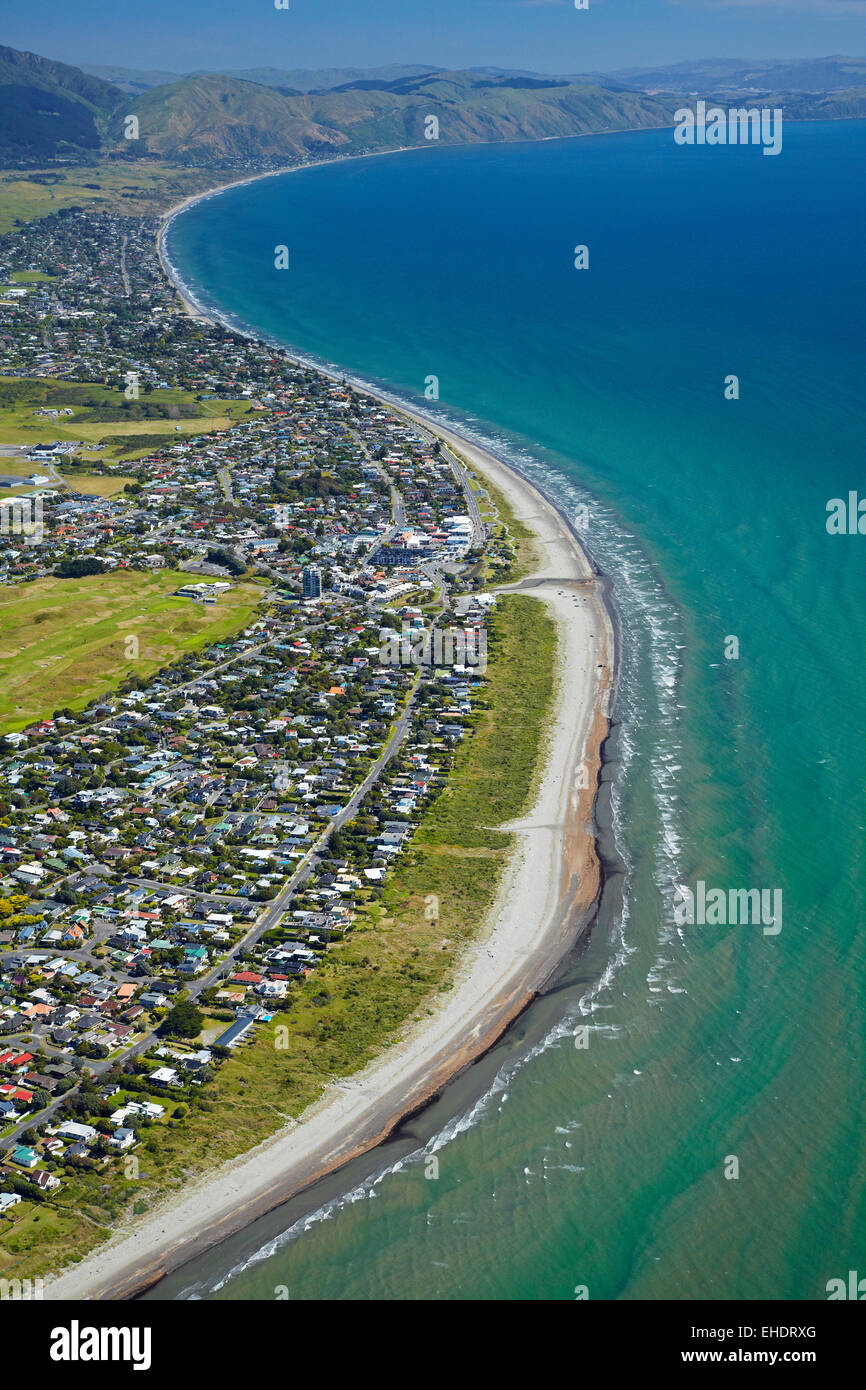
x=139 y=189
x=63 y=641
x=101 y=414
x=30 y=277
x=97 y=484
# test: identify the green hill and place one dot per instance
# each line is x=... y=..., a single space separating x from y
x=49 y=109
x=222 y=119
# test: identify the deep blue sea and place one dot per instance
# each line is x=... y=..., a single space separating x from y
x=606 y=1167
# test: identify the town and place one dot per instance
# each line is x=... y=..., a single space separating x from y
x=181 y=849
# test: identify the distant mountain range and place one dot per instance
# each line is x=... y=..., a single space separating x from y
x=295 y=79
x=261 y=117
x=819 y=76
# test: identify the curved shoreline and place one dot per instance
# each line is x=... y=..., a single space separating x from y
x=548 y=896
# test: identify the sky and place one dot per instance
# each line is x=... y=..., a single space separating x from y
x=542 y=35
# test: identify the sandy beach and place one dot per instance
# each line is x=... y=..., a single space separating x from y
x=545 y=900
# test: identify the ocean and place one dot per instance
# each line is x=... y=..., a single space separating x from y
x=707 y=1142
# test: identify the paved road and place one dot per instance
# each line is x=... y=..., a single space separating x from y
x=123 y=270
x=268 y=918
x=479 y=531
x=224 y=476
x=398 y=506
x=167 y=889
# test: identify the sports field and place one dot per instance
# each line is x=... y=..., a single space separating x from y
x=64 y=641
x=101 y=415
x=96 y=484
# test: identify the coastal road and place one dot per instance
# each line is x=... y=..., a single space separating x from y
x=479 y=530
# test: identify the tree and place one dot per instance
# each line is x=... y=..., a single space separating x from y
x=184 y=1020
x=79 y=566
x=218 y=555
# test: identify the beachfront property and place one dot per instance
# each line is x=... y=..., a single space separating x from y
x=192 y=836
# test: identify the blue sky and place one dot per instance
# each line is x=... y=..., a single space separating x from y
x=545 y=35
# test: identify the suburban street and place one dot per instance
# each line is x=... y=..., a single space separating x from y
x=272 y=912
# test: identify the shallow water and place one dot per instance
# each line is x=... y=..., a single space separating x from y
x=605 y=1166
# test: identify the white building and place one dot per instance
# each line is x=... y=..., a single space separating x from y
x=71 y=1130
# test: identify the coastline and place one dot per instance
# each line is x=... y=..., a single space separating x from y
x=167 y=217
x=546 y=900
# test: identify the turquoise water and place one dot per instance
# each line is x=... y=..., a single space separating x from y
x=605 y=1167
